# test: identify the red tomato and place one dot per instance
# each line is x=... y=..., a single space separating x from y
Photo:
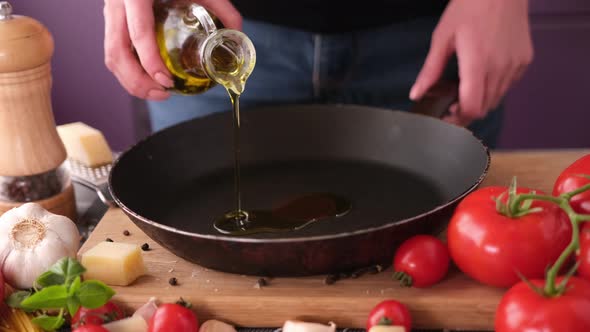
x=569 y=179
x=2 y=290
x=584 y=256
x=491 y=247
x=424 y=258
x=173 y=317
x=91 y=328
x=107 y=313
x=522 y=309
x=390 y=312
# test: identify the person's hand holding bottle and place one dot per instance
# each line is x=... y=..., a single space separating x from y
x=129 y=26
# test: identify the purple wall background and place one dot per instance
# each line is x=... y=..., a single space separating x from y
x=548 y=108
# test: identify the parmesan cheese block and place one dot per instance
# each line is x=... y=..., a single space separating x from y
x=130 y=324
x=114 y=263
x=85 y=144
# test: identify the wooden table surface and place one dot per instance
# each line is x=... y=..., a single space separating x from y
x=456 y=303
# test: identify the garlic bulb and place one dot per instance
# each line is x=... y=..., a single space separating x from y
x=32 y=239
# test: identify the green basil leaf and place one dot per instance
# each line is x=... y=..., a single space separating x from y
x=73 y=305
x=16 y=298
x=93 y=294
x=49 y=323
x=52 y=297
x=74 y=286
x=50 y=278
x=73 y=302
x=69 y=268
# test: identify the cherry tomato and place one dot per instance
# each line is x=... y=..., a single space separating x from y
x=569 y=179
x=584 y=256
x=522 y=309
x=491 y=247
x=173 y=317
x=390 y=312
x=90 y=328
x=421 y=261
x=107 y=313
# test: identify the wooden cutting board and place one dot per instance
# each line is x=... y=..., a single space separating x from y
x=456 y=303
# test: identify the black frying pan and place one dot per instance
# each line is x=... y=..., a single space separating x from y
x=403 y=173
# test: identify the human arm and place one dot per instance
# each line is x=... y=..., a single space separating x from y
x=492 y=41
x=129 y=25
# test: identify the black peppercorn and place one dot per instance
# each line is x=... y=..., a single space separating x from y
x=109 y=239
x=172 y=281
x=145 y=247
x=126 y=233
x=331 y=279
x=31 y=188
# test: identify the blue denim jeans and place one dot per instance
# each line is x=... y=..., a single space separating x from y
x=375 y=67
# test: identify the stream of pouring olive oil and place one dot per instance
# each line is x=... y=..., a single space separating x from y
x=297 y=212
x=198 y=55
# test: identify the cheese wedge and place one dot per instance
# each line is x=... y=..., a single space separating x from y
x=85 y=144
x=114 y=263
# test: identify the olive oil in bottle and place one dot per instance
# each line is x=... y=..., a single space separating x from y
x=189 y=38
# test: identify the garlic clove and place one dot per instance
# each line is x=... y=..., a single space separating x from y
x=22 y=267
x=51 y=249
x=214 y=325
x=300 y=326
x=64 y=229
x=7 y=222
x=147 y=310
x=18 y=271
x=387 y=328
x=53 y=239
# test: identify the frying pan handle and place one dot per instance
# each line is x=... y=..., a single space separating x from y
x=437 y=101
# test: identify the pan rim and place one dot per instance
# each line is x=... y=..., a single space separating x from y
x=226 y=238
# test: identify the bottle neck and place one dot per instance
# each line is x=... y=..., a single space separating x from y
x=228 y=57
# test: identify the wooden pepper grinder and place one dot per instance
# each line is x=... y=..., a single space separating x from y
x=32 y=154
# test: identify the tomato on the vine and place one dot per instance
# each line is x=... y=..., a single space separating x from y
x=107 y=313
x=523 y=309
x=584 y=255
x=390 y=312
x=493 y=247
x=2 y=285
x=573 y=177
x=421 y=261
x=173 y=317
x=90 y=328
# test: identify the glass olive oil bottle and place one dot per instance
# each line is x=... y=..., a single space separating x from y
x=198 y=51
